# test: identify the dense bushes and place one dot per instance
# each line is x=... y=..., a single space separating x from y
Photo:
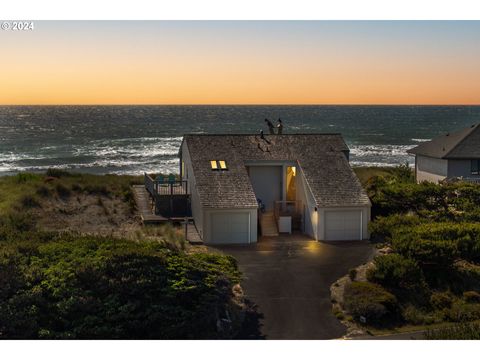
x=372 y=302
x=68 y=287
x=434 y=253
x=453 y=201
x=434 y=233
x=465 y=331
x=394 y=271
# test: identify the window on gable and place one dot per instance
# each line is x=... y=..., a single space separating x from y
x=475 y=166
x=218 y=165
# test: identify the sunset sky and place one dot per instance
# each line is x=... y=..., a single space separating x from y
x=222 y=62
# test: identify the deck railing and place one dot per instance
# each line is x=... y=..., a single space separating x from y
x=170 y=197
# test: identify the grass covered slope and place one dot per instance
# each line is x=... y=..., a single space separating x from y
x=59 y=200
x=67 y=272
x=432 y=268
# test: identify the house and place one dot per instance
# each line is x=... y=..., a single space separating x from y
x=241 y=185
x=453 y=155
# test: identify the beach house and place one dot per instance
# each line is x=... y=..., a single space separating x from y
x=452 y=155
x=243 y=186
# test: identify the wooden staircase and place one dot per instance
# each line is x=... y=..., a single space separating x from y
x=268 y=225
x=144 y=206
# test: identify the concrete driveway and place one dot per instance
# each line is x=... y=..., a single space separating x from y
x=289 y=278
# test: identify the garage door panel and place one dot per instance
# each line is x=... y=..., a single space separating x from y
x=343 y=225
x=230 y=228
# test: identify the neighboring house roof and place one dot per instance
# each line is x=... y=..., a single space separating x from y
x=320 y=156
x=463 y=144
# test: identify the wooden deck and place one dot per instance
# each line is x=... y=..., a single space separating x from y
x=145 y=208
x=143 y=201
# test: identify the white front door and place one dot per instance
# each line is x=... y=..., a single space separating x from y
x=343 y=225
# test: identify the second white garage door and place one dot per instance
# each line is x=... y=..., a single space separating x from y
x=230 y=228
x=343 y=225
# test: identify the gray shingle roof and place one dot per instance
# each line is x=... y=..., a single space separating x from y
x=462 y=144
x=320 y=156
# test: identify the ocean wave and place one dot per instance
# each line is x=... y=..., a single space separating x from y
x=100 y=166
x=380 y=155
x=376 y=164
x=368 y=150
x=421 y=140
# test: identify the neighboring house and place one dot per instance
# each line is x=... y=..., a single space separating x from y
x=305 y=180
x=453 y=155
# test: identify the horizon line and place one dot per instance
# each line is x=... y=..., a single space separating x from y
x=246 y=104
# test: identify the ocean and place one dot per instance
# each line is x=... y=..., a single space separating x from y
x=134 y=139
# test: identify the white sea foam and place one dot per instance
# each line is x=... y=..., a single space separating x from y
x=421 y=140
x=392 y=150
x=380 y=155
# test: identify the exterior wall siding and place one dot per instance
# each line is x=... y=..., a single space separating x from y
x=460 y=168
x=310 y=216
x=430 y=169
x=197 y=211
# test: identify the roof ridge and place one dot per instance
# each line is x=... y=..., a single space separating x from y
x=471 y=131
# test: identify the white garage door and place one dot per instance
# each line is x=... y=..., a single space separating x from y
x=343 y=225
x=230 y=228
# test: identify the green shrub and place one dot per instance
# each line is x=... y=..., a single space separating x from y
x=433 y=253
x=88 y=287
x=395 y=271
x=435 y=201
x=27 y=177
x=441 y=300
x=462 y=311
x=465 y=331
x=413 y=315
x=371 y=301
x=404 y=173
x=63 y=191
x=22 y=221
x=383 y=228
x=465 y=276
x=471 y=297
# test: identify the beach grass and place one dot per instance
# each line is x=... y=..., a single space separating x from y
x=27 y=189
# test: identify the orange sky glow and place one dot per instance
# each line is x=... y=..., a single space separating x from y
x=241 y=63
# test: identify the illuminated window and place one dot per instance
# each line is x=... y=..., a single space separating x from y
x=223 y=164
x=218 y=165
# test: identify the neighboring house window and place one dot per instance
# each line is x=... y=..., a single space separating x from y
x=218 y=165
x=475 y=166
